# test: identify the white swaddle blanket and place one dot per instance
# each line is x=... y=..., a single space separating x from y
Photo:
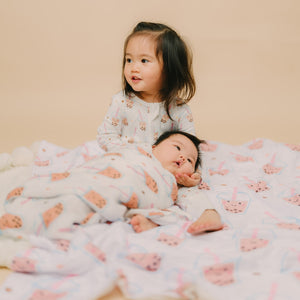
x=256 y=189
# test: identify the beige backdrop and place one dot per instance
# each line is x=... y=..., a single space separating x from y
x=60 y=63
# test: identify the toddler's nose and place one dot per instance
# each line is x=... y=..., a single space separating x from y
x=134 y=67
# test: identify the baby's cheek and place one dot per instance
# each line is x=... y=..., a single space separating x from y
x=189 y=170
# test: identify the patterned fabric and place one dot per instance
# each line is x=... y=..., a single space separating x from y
x=132 y=120
x=102 y=189
x=256 y=189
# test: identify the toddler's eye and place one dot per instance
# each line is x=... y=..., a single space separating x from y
x=145 y=60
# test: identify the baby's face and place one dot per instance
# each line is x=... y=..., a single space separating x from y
x=177 y=154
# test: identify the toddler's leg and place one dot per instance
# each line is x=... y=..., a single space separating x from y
x=140 y=223
x=210 y=220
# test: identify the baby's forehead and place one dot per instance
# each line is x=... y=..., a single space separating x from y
x=178 y=137
x=183 y=140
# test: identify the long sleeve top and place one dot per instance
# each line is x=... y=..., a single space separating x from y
x=129 y=119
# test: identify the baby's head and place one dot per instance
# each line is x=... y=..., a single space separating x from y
x=178 y=152
x=172 y=51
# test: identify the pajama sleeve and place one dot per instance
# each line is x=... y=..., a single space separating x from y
x=193 y=201
x=184 y=119
x=110 y=131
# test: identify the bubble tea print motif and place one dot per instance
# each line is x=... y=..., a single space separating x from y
x=148 y=261
x=270 y=168
x=237 y=204
x=253 y=242
x=294 y=198
x=219 y=273
x=10 y=221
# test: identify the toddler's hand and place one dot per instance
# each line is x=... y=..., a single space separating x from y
x=188 y=181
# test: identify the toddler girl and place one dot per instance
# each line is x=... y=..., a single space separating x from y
x=157 y=85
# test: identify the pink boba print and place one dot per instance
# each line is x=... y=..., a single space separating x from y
x=52 y=213
x=259 y=186
x=290 y=226
x=95 y=198
x=96 y=252
x=110 y=172
x=294 y=198
x=281 y=223
x=164 y=118
x=59 y=176
x=23 y=264
x=115 y=121
x=256 y=144
x=293 y=147
x=253 y=242
x=219 y=171
x=151 y=183
x=87 y=218
x=170 y=240
x=270 y=169
x=63 y=245
x=46 y=295
x=148 y=261
x=14 y=193
x=133 y=201
x=10 y=221
x=219 y=274
x=235 y=205
x=203 y=186
x=129 y=103
x=241 y=158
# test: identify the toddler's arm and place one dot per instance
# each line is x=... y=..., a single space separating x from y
x=109 y=132
x=184 y=118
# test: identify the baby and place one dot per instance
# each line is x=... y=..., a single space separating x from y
x=107 y=188
x=178 y=152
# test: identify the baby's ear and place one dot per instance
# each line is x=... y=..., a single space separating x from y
x=153 y=146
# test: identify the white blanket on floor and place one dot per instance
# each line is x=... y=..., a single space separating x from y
x=256 y=189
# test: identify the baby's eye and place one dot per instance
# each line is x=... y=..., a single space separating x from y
x=177 y=147
x=144 y=60
x=128 y=60
x=189 y=160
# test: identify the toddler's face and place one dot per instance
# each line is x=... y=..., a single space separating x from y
x=177 y=154
x=143 y=70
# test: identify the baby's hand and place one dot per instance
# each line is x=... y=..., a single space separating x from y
x=188 y=181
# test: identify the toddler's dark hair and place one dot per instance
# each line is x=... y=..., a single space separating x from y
x=179 y=83
x=196 y=141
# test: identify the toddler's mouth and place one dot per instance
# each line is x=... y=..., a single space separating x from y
x=135 y=78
